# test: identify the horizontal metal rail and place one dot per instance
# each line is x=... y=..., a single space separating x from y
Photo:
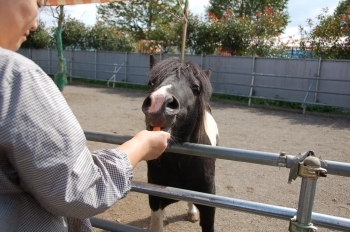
x=248 y=156
x=113 y=226
x=332 y=222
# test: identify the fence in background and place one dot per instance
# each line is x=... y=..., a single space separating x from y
x=304 y=81
x=307 y=166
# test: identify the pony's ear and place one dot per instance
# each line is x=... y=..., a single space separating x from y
x=152 y=61
x=208 y=72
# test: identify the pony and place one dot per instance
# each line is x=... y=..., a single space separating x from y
x=179 y=103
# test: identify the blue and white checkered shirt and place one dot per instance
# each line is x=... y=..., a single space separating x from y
x=49 y=179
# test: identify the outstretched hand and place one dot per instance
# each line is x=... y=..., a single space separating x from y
x=145 y=145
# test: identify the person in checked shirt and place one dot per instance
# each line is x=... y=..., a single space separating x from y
x=49 y=180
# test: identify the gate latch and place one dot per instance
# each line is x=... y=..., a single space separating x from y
x=306 y=165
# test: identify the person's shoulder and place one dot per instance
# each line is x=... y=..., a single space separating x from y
x=15 y=60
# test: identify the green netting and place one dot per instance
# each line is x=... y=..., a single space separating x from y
x=61 y=75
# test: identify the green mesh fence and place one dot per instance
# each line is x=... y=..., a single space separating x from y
x=61 y=75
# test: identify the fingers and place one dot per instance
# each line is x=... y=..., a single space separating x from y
x=156 y=142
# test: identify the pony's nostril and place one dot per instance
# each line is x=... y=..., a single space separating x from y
x=146 y=104
x=173 y=104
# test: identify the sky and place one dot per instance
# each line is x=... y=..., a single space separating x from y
x=299 y=11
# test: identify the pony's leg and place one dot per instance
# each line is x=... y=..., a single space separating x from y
x=207 y=215
x=158 y=205
x=192 y=212
x=157 y=218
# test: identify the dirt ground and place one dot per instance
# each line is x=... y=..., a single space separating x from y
x=252 y=128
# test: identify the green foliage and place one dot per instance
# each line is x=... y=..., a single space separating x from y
x=250 y=35
x=74 y=34
x=143 y=20
x=139 y=26
x=108 y=38
x=39 y=39
x=203 y=36
x=330 y=37
x=244 y=8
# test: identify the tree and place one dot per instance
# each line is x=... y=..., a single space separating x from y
x=108 y=38
x=204 y=36
x=249 y=27
x=243 y=8
x=143 y=20
x=74 y=33
x=38 y=39
x=250 y=36
x=264 y=31
x=330 y=37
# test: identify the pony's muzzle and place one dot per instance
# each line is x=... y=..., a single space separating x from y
x=160 y=110
x=161 y=104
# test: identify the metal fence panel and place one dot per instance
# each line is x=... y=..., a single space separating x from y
x=331 y=71
x=138 y=68
x=294 y=80
x=278 y=75
x=231 y=75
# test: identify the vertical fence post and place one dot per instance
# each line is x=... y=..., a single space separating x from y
x=318 y=77
x=71 y=65
x=95 y=65
x=252 y=82
x=202 y=60
x=310 y=169
x=49 y=60
x=126 y=66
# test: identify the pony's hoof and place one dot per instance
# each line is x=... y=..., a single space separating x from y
x=193 y=217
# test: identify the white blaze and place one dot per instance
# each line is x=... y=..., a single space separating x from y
x=158 y=98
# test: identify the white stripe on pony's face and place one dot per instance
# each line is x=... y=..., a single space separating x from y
x=157 y=218
x=211 y=128
x=158 y=98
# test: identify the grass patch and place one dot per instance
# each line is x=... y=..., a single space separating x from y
x=116 y=85
x=283 y=104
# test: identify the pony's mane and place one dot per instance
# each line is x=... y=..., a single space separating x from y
x=173 y=66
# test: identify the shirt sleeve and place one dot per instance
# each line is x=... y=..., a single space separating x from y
x=47 y=147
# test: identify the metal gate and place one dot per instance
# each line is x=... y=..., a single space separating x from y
x=305 y=165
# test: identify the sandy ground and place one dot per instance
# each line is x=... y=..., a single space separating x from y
x=253 y=128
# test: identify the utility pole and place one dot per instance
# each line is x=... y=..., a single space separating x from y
x=184 y=31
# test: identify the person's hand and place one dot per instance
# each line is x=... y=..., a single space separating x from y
x=145 y=145
x=152 y=142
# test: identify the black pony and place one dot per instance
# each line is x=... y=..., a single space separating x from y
x=179 y=103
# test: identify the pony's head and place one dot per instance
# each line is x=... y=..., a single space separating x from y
x=179 y=97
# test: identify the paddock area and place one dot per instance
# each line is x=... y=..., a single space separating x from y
x=253 y=128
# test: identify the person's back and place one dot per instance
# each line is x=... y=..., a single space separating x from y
x=49 y=179
x=28 y=170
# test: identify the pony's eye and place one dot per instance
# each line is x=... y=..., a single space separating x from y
x=196 y=89
x=150 y=83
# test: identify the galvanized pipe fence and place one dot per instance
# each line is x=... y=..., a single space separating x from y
x=306 y=165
